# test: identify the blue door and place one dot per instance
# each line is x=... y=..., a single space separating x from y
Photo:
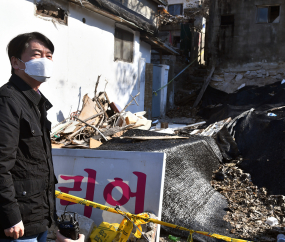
x=156 y=84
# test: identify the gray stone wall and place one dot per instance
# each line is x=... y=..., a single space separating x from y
x=258 y=74
x=245 y=40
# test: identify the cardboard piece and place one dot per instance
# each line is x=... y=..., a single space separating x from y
x=94 y=143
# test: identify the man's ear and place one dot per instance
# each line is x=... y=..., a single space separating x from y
x=15 y=63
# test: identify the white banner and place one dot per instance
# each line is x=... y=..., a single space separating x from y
x=133 y=180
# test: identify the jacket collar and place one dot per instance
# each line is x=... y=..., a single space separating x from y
x=31 y=94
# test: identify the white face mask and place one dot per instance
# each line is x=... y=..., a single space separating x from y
x=40 y=68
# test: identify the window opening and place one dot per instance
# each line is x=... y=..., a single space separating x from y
x=175 y=9
x=268 y=14
x=124 y=42
x=49 y=10
x=274 y=12
x=227 y=20
x=176 y=41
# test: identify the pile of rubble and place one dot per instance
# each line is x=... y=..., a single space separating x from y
x=250 y=209
x=166 y=18
x=98 y=121
x=258 y=74
x=183 y=111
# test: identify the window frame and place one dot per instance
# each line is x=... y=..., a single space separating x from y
x=182 y=9
x=268 y=13
x=124 y=40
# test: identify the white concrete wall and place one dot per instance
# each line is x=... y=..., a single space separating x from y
x=145 y=50
x=82 y=52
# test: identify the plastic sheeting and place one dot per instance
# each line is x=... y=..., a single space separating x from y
x=231 y=105
x=253 y=134
x=189 y=199
x=261 y=140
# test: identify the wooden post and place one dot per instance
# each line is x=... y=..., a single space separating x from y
x=204 y=87
x=148 y=89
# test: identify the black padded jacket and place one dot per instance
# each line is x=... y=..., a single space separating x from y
x=26 y=170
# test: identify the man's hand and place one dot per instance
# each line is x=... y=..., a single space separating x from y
x=61 y=238
x=16 y=231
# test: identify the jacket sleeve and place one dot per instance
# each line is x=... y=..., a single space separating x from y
x=9 y=138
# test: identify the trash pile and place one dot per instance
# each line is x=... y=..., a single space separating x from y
x=166 y=18
x=98 y=121
x=252 y=213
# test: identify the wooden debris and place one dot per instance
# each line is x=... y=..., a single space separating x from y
x=98 y=121
x=191 y=125
x=114 y=107
x=204 y=87
x=153 y=137
x=112 y=131
x=57 y=146
x=248 y=205
x=131 y=118
x=94 y=143
x=88 y=109
x=95 y=91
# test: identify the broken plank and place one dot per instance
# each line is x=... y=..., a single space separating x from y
x=56 y=146
x=110 y=132
x=99 y=101
x=91 y=127
x=95 y=91
x=191 y=125
x=153 y=137
x=204 y=87
x=117 y=114
x=114 y=107
x=135 y=126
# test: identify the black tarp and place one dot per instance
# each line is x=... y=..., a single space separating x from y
x=253 y=134
x=231 y=105
x=189 y=199
x=261 y=140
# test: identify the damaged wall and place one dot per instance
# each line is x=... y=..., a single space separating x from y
x=186 y=3
x=257 y=74
x=236 y=36
x=82 y=52
x=246 y=46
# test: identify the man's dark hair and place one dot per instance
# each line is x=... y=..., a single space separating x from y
x=20 y=43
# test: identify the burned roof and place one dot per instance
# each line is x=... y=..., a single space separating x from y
x=163 y=2
x=115 y=8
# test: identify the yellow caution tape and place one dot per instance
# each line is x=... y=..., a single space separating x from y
x=107 y=232
x=133 y=217
x=104 y=233
x=125 y=230
x=126 y=227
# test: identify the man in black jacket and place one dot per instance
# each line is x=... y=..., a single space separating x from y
x=27 y=201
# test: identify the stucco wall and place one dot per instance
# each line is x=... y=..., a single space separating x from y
x=245 y=41
x=82 y=52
